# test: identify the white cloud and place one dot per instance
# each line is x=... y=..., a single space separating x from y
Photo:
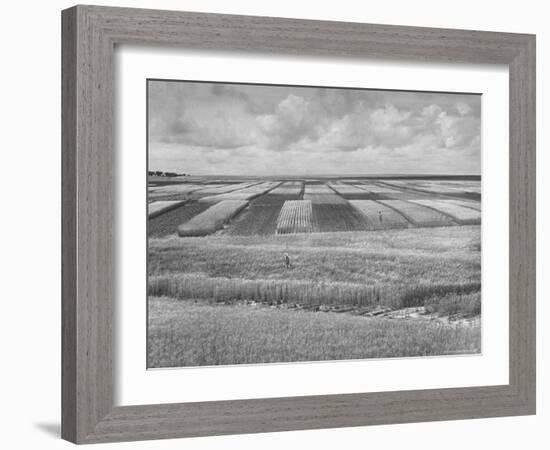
x=219 y=128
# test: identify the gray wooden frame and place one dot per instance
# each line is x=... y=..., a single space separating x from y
x=89 y=36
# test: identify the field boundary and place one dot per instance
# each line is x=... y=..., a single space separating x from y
x=405 y=216
x=453 y=219
x=420 y=191
x=175 y=205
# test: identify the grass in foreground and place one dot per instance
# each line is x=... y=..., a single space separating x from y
x=446 y=255
x=308 y=293
x=183 y=333
x=395 y=268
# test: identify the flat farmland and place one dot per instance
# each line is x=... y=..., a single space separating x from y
x=468 y=186
x=271 y=198
x=325 y=199
x=211 y=219
x=167 y=223
x=217 y=188
x=295 y=217
x=158 y=207
x=257 y=219
x=236 y=334
x=230 y=291
x=459 y=213
x=338 y=217
x=260 y=217
x=172 y=190
x=347 y=189
x=443 y=256
x=379 y=216
x=466 y=203
x=381 y=189
x=289 y=188
x=466 y=189
x=224 y=290
x=335 y=205
x=441 y=188
x=317 y=189
x=419 y=215
x=244 y=193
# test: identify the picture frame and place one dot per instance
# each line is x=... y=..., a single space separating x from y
x=89 y=36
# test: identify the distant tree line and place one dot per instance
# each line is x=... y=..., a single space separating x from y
x=160 y=173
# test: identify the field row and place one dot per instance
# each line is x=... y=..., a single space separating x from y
x=180 y=331
x=245 y=193
x=282 y=214
x=295 y=217
x=322 y=192
x=436 y=186
x=212 y=219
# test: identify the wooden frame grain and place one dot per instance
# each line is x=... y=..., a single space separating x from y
x=89 y=34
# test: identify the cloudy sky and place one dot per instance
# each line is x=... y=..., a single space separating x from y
x=207 y=128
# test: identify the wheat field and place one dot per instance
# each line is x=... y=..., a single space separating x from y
x=460 y=213
x=295 y=217
x=184 y=333
x=221 y=292
x=212 y=219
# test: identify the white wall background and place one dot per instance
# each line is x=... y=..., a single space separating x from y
x=30 y=229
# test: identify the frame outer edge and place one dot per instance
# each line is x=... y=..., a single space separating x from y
x=523 y=225
x=89 y=33
x=87 y=273
x=95 y=222
x=532 y=200
x=68 y=224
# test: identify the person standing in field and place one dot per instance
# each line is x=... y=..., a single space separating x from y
x=380 y=216
x=287 y=261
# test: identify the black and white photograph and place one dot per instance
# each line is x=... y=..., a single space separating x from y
x=304 y=223
x=275 y=225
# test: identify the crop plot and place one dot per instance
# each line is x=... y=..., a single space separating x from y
x=379 y=216
x=462 y=183
x=466 y=203
x=436 y=187
x=168 y=222
x=288 y=188
x=473 y=189
x=214 y=189
x=274 y=199
x=467 y=186
x=381 y=189
x=325 y=199
x=347 y=189
x=317 y=189
x=403 y=182
x=338 y=217
x=458 y=189
x=212 y=219
x=258 y=219
x=173 y=189
x=262 y=188
x=295 y=217
x=298 y=206
x=156 y=208
x=420 y=215
x=463 y=215
x=351 y=191
x=241 y=196
x=244 y=194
